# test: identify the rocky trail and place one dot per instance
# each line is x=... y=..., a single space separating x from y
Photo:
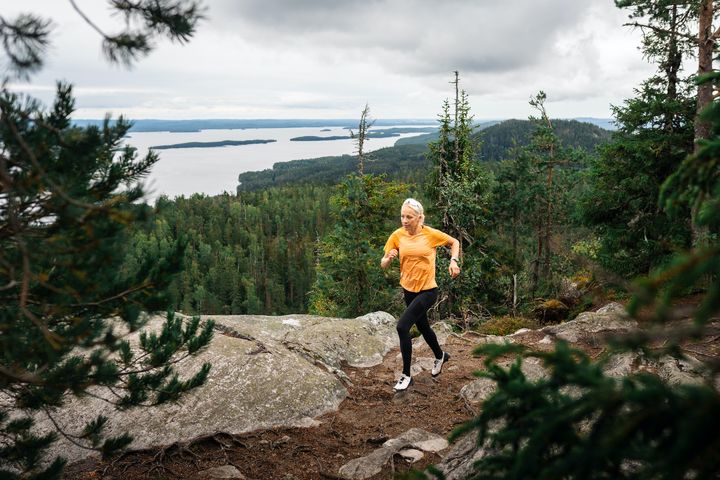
x=370 y=415
x=375 y=433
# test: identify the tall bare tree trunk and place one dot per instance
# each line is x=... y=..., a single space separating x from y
x=363 y=127
x=706 y=47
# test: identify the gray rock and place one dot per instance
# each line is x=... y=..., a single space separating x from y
x=590 y=327
x=520 y=332
x=459 y=462
x=256 y=381
x=479 y=390
x=367 y=466
x=671 y=370
x=570 y=292
x=613 y=308
x=411 y=454
x=494 y=339
x=442 y=331
x=676 y=371
x=419 y=365
x=372 y=464
x=226 y=471
x=621 y=364
x=546 y=340
x=418 y=438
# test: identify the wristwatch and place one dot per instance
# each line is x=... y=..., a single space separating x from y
x=457 y=260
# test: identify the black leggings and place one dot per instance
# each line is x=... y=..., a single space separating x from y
x=418 y=304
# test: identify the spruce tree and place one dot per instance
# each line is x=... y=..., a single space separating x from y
x=655 y=133
x=461 y=189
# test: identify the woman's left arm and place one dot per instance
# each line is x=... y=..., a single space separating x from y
x=454 y=268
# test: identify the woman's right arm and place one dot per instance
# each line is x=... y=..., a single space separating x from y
x=388 y=258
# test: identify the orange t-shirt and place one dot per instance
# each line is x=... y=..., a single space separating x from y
x=417 y=256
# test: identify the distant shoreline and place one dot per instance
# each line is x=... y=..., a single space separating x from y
x=196 y=125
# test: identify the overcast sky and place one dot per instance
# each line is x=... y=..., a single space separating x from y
x=325 y=59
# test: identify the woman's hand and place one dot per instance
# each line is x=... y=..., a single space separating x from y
x=388 y=258
x=454 y=268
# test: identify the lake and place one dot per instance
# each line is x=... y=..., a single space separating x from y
x=212 y=171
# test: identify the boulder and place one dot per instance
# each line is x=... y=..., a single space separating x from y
x=259 y=379
x=591 y=327
x=359 y=342
x=442 y=331
x=552 y=310
x=479 y=390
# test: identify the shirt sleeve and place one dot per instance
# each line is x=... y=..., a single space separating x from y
x=392 y=242
x=438 y=238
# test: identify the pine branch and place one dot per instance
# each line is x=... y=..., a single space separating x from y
x=687 y=36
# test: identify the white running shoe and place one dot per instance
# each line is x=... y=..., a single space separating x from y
x=402 y=384
x=437 y=367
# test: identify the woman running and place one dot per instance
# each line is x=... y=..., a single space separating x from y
x=415 y=243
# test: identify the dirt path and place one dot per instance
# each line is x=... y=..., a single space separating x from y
x=370 y=414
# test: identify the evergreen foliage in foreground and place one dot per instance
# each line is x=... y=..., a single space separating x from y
x=68 y=206
x=581 y=424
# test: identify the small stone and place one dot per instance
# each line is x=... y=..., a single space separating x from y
x=411 y=455
x=478 y=390
x=418 y=438
x=547 y=339
x=521 y=331
x=432 y=445
x=226 y=471
x=306 y=422
x=281 y=441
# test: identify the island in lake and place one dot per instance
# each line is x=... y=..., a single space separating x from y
x=380 y=133
x=223 y=143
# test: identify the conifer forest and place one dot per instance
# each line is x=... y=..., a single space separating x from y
x=554 y=217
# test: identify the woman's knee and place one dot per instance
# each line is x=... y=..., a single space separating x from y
x=403 y=329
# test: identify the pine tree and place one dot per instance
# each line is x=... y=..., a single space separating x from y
x=70 y=199
x=655 y=133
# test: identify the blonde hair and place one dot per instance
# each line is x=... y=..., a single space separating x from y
x=417 y=208
x=415 y=205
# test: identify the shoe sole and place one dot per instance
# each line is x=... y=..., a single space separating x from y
x=403 y=389
x=446 y=357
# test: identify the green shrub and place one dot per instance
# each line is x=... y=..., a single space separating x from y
x=506 y=325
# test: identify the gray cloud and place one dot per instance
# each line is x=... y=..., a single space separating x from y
x=319 y=58
x=410 y=36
